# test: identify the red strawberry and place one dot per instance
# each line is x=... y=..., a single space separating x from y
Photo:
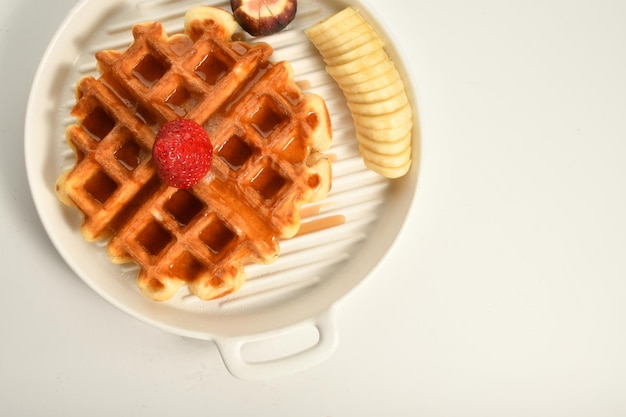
x=182 y=153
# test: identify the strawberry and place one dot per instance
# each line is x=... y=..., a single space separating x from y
x=182 y=153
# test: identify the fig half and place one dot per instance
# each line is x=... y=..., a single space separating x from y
x=263 y=17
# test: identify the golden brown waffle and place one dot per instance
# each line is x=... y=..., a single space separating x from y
x=267 y=138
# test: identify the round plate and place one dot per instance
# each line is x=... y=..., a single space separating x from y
x=313 y=272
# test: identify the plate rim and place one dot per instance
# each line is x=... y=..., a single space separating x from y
x=37 y=187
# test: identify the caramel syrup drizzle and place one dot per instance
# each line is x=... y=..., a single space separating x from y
x=319 y=224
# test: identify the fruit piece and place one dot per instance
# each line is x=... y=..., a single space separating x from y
x=376 y=83
x=371 y=45
x=386 y=147
x=388 y=171
x=263 y=17
x=400 y=117
x=319 y=30
x=359 y=65
x=332 y=34
x=375 y=108
x=390 y=160
x=182 y=153
x=383 y=93
x=386 y=134
x=375 y=93
x=197 y=17
x=368 y=73
x=356 y=37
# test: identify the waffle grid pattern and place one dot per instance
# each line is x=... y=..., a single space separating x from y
x=267 y=137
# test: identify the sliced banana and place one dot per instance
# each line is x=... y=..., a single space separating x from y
x=360 y=66
x=346 y=20
x=364 y=77
x=374 y=108
x=371 y=46
x=357 y=37
x=317 y=30
x=383 y=93
x=355 y=58
x=356 y=29
x=386 y=147
x=380 y=81
x=386 y=159
x=386 y=134
x=388 y=171
x=401 y=117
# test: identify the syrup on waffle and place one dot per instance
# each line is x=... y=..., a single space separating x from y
x=267 y=136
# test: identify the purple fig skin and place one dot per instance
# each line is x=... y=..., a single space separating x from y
x=257 y=25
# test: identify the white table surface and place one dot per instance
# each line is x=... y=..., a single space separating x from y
x=503 y=297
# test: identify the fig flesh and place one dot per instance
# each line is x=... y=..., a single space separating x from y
x=263 y=17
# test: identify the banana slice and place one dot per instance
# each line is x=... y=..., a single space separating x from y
x=355 y=29
x=386 y=134
x=388 y=171
x=369 y=73
x=388 y=105
x=386 y=147
x=394 y=161
x=361 y=65
x=382 y=80
x=376 y=96
x=331 y=33
x=401 y=117
x=358 y=36
x=373 y=45
x=317 y=30
x=383 y=93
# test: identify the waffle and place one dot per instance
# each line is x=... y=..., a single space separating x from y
x=267 y=136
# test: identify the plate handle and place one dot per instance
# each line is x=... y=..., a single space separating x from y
x=231 y=350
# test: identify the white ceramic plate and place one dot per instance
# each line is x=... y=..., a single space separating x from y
x=313 y=272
